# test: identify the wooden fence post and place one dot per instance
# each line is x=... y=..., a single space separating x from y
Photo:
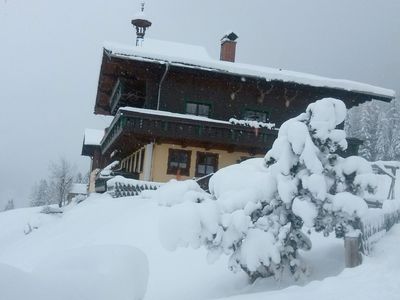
x=352 y=253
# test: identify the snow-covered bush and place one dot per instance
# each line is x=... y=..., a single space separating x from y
x=256 y=210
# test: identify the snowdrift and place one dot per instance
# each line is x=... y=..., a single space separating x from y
x=96 y=272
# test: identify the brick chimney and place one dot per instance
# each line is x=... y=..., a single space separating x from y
x=228 y=47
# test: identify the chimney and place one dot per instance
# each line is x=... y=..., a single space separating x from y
x=141 y=24
x=228 y=47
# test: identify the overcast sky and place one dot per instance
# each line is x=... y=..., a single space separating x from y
x=50 y=53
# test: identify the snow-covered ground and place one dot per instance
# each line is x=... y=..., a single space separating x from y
x=79 y=252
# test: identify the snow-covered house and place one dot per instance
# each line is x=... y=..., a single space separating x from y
x=91 y=143
x=180 y=113
x=77 y=189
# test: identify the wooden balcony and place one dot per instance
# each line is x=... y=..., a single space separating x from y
x=133 y=129
x=127 y=93
x=130 y=128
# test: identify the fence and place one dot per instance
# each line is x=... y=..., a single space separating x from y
x=377 y=222
x=373 y=226
x=122 y=187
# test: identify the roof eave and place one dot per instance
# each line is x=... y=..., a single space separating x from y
x=373 y=96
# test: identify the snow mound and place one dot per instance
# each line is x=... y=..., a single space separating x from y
x=241 y=183
x=175 y=192
x=349 y=203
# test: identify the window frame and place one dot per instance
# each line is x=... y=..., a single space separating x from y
x=197 y=103
x=215 y=166
x=175 y=170
x=257 y=110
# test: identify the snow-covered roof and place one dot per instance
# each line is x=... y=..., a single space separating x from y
x=79 y=188
x=162 y=50
x=197 y=57
x=93 y=137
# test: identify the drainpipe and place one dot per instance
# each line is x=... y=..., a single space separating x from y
x=160 y=85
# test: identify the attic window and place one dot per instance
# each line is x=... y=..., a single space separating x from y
x=198 y=109
x=254 y=115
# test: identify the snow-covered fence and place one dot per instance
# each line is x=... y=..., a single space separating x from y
x=123 y=187
x=376 y=223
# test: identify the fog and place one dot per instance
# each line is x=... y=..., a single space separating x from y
x=50 y=55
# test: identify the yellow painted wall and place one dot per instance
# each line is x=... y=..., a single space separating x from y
x=160 y=160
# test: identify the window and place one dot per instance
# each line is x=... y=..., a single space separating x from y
x=253 y=115
x=179 y=162
x=198 y=109
x=206 y=163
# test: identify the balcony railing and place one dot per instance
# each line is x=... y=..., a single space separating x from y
x=127 y=93
x=166 y=127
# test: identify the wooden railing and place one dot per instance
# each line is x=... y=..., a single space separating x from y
x=375 y=224
x=369 y=230
x=125 y=93
x=116 y=96
x=380 y=218
x=167 y=127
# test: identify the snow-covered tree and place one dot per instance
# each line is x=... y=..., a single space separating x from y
x=10 y=205
x=41 y=194
x=367 y=130
x=61 y=177
x=256 y=211
x=79 y=178
x=383 y=137
x=394 y=126
x=378 y=125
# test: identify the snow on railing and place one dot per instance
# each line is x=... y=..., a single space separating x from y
x=122 y=187
x=253 y=124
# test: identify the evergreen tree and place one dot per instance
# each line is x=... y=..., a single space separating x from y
x=304 y=182
x=41 y=194
x=10 y=205
x=394 y=125
x=367 y=130
x=378 y=125
x=383 y=136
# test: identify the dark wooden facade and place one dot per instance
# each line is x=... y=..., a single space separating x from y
x=159 y=85
x=227 y=94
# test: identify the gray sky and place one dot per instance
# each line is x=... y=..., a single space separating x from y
x=50 y=55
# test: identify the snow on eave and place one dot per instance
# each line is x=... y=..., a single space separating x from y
x=204 y=62
x=93 y=137
x=171 y=114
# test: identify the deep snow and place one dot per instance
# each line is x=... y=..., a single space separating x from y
x=183 y=274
